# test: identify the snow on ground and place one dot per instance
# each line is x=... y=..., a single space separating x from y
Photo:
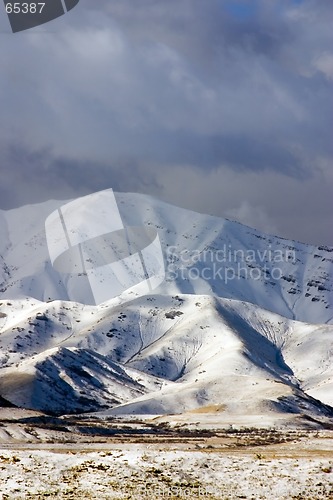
x=84 y=457
x=138 y=472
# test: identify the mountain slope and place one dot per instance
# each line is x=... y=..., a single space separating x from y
x=73 y=380
x=177 y=353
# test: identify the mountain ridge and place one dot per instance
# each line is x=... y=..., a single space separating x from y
x=194 y=246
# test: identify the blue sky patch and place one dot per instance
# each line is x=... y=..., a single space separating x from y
x=242 y=10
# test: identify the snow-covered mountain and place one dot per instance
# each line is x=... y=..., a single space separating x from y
x=241 y=323
x=203 y=255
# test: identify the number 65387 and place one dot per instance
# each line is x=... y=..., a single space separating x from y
x=24 y=8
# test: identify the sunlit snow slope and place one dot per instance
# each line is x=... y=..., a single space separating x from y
x=259 y=342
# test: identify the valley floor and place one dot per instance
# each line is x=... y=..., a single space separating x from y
x=84 y=458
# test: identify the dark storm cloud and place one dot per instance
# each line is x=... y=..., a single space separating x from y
x=45 y=177
x=124 y=94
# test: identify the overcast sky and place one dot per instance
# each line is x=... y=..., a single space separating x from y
x=220 y=106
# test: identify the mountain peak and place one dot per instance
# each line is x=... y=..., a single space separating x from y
x=202 y=255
